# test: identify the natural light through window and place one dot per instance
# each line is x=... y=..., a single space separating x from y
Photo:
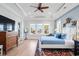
x=39 y=28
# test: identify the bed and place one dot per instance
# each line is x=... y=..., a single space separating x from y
x=53 y=42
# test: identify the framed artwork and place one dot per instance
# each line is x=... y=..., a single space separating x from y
x=19 y=25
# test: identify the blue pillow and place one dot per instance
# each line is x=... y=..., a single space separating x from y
x=56 y=34
x=60 y=36
x=63 y=36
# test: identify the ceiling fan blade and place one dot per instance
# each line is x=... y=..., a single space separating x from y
x=41 y=10
x=40 y=4
x=34 y=6
x=44 y=7
x=36 y=10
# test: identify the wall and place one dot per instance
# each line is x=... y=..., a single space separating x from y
x=22 y=37
x=74 y=15
x=63 y=10
x=29 y=21
x=14 y=16
x=6 y=22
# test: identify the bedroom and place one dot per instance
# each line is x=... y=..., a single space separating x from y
x=46 y=32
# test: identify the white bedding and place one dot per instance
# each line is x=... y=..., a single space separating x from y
x=69 y=42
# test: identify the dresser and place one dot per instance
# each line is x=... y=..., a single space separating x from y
x=8 y=40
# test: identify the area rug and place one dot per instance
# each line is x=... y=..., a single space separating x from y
x=56 y=52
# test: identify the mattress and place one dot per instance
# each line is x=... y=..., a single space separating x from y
x=69 y=42
x=51 y=40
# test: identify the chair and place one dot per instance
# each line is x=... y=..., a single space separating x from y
x=1 y=50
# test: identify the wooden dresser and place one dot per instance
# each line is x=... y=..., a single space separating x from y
x=8 y=40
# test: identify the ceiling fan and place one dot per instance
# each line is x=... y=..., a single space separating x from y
x=40 y=7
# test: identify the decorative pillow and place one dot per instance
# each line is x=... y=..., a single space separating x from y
x=50 y=35
x=60 y=36
x=56 y=34
x=63 y=36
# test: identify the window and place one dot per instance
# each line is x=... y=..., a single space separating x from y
x=58 y=27
x=9 y=27
x=46 y=28
x=39 y=28
x=1 y=27
x=33 y=28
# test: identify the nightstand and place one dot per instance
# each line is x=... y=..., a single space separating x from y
x=76 y=48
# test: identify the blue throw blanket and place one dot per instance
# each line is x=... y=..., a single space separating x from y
x=51 y=40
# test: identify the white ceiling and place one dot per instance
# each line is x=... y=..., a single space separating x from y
x=24 y=10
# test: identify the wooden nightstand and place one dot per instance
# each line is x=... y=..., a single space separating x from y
x=76 y=48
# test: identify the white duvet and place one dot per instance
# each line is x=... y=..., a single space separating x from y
x=69 y=42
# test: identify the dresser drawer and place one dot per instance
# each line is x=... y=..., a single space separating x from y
x=10 y=45
x=10 y=42
x=10 y=39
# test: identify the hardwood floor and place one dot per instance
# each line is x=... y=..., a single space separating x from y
x=27 y=48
